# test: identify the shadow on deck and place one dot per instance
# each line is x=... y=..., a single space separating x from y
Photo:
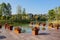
x=2 y=37
x=44 y=34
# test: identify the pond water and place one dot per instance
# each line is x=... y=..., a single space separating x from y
x=26 y=30
x=29 y=30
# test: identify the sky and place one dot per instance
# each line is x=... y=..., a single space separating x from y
x=33 y=6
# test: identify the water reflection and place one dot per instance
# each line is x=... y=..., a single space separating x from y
x=29 y=30
x=26 y=30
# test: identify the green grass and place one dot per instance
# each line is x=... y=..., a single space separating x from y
x=14 y=23
x=20 y=24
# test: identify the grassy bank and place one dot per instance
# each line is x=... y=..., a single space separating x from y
x=14 y=23
x=20 y=24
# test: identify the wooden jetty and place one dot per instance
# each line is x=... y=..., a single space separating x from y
x=10 y=35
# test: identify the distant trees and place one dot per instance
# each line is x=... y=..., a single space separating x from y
x=5 y=10
x=9 y=10
x=57 y=11
x=19 y=13
x=51 y=14
x=0 y=10
x=22 y=16
x=54 y=14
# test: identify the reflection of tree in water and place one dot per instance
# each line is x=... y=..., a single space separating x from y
x=23 y=30
x=26 y=30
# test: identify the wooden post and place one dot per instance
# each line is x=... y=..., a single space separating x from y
x=35 y=31
x=11 y=27
x=17 y=30
x=0 y=25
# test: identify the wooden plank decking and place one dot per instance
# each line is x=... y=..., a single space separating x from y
x=10 y=35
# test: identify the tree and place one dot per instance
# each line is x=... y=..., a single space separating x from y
x=19 y=13
x=51 y=14
x=0 y=10
x=24 y=11
x=4 y=7
x=19 y=9
x=24 y=14
x=9 y=10
x=6 y=10
x=57 y=11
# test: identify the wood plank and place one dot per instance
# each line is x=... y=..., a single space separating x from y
x=10 y=35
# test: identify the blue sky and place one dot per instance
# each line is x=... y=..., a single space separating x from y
x=33 y=6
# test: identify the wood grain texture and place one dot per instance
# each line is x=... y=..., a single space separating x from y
x=10 y=35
